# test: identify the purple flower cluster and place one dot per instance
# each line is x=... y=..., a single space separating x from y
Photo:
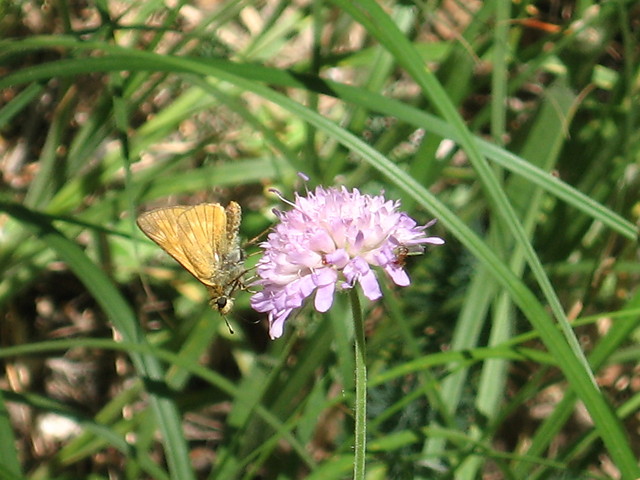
x=332 y=237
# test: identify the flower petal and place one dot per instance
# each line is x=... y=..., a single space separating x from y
x=398 y=275
x=324 y=297
x=276 y=324
x=370 y=286
x=338 y=258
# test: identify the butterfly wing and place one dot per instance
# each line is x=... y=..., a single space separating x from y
x=234 y=216
x=202 y=230
x=202 y=238
x=162 y=226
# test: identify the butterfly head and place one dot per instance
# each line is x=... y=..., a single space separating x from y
x=222 y=303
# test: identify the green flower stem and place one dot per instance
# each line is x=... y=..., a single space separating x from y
x=361 y=389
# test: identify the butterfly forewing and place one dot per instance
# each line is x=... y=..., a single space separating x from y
x=160 y=226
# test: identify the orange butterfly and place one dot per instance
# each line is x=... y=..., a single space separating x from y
x=204 y=240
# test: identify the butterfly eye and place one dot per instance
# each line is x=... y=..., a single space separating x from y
x=224 y=306
x=221 y=302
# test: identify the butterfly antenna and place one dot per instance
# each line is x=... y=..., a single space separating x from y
x=228 y=325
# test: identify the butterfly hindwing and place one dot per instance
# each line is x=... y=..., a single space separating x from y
x=201 y=228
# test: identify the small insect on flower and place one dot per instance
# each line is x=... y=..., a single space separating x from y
x=332 y=237
x=204 y=240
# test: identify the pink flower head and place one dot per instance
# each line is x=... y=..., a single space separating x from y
x=331 y=239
